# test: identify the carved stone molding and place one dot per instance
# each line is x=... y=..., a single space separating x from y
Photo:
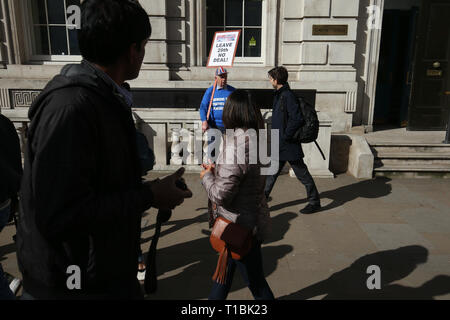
x=22 y=98
x=350 y=101
x=4 y=99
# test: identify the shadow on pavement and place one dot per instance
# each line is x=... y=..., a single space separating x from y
x=197 y=261
x=194 y=262
x=351 y=283
x=369 y=189
x=7 y=249
x=280 y=226
x=10 y=246
x=176 y=225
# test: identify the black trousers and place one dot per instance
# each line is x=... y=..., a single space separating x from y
x=302 y=174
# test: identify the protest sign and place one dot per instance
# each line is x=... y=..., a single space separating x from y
x=223 y=49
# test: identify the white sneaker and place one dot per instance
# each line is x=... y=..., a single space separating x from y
x=141 y=275
x=14 y=285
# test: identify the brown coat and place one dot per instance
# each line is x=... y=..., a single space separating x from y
x=237 y=188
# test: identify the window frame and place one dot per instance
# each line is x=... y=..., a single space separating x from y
x=32 y=57
x=239 y=60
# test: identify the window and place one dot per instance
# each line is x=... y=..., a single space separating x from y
x=50 y=32
x=244 y=15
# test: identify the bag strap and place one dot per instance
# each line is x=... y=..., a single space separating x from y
x=320 y=150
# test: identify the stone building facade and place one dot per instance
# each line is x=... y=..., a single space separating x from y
x=334 y=65
x=334 y=47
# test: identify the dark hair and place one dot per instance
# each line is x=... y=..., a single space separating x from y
x=280 y=74
x=240 y=112
x=110 y=27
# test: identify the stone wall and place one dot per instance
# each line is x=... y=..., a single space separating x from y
x=176 y=53
x=323 y=58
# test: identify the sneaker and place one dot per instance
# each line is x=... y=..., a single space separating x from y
x=311 y=208
x=141 y=275
x=14 y=283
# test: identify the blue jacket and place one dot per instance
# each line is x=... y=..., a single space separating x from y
x=288 y=122
x=220 y=97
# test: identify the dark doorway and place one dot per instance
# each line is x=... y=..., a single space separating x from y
x=430 y=99
x=394 y=69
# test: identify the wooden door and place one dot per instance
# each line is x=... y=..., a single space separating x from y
x=429 y=104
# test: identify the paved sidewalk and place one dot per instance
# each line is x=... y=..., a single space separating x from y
x=401 y=225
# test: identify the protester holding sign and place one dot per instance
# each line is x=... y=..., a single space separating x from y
x=222 y=53
x=222 y=91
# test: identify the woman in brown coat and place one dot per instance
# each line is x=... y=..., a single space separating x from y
x=235 y=186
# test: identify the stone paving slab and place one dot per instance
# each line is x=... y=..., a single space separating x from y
x=401 y=225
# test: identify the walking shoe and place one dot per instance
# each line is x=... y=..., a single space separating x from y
x=311 y=208
x=141 y=275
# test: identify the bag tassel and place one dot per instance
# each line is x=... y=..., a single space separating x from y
x=221 y=269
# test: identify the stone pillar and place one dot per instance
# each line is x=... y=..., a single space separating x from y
x=372 y=58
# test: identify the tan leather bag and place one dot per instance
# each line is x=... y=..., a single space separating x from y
x=229 y=239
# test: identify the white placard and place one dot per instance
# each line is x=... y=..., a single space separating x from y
x=223 y=49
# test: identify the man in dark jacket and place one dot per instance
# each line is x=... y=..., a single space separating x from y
x=287 y=118
x=82 y=193
x=10 y=174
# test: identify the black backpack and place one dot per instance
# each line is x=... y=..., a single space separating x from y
x=309 y=131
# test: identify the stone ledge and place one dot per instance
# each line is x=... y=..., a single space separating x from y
x=351 y=154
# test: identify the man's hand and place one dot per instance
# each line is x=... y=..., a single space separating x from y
x=165 y=192
x=205 y=126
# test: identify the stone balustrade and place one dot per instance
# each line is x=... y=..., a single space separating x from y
x=170 y=132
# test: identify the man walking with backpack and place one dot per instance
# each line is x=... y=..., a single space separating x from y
x=287 y=118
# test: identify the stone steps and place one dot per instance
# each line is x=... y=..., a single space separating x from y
x=411 y=155
x=409 y=148
x=411 y=159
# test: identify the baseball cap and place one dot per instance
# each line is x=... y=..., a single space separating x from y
x=220 y=71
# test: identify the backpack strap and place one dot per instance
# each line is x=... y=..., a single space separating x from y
x=320 y=150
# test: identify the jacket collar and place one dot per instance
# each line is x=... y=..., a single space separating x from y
x=126 y=95
x=120 y=93
x=282 y=89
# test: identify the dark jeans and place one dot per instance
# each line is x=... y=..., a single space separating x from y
x=251 y=269
x=302 y=174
